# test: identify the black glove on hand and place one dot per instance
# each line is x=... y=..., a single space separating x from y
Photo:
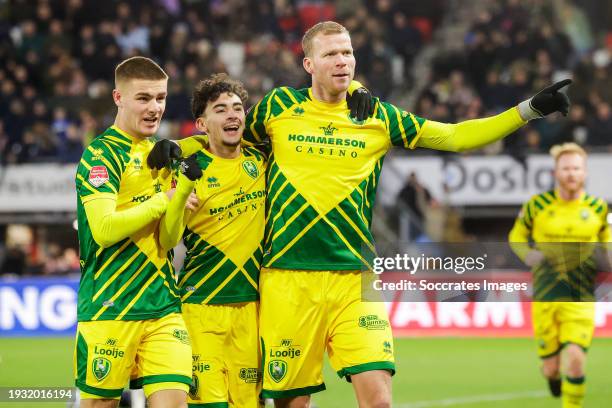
x=361 y=104
x=162 y=153
x=547 y=101
x=190 y=168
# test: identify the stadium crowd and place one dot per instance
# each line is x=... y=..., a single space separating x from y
x=516 y=47
x=57 y=57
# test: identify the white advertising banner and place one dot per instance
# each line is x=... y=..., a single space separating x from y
x=487 y=180
x=471 y=180
x=37 y=188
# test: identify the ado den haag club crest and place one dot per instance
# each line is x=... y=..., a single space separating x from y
x=250 y=168
x=277 y=370
x=100 y=367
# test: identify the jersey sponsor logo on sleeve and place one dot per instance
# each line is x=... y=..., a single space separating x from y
x=97 y=154
x=98 y=175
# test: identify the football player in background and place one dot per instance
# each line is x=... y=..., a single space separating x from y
x=564 y=225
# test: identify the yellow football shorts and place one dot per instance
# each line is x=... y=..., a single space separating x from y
x=556 y=324
x=152 y=354
x=304 y=313
x=226 y=354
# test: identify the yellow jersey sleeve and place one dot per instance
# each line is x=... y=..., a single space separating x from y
x=109 y=226
x=173 y=222
x=470 y=134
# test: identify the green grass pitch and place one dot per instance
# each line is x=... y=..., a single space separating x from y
x=432 y=372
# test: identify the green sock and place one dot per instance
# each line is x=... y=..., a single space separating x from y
x=572 y=392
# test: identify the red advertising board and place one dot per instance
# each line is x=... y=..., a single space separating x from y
x=507 y=316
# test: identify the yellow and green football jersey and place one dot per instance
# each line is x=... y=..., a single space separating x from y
x=224 y=236
x=322 y=177
x=566 y=232
x=132 y=279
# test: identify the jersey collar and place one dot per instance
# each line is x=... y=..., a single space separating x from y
x=325 y=105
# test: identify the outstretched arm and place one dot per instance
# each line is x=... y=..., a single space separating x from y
x=470 y=134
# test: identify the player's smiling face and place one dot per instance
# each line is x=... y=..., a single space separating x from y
x=223 y=120
x=332 y=64
x=141 y=105
x=570 y=172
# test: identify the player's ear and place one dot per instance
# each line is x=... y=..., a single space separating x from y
x=201 y=125
x=307 y=62
x=117 y=97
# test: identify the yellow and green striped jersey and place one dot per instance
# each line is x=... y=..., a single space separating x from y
x=132 y=279
x=224 y=236
x=322 y=177
x=566 y=232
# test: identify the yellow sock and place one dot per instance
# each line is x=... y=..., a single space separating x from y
x=572 y=392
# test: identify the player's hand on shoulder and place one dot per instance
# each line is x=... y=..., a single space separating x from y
x=190 y=168
x=162 y=154
x=547 y=101
x=361 y=103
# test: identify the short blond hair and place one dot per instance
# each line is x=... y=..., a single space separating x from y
x=138 y=68
x=559 y=150
x=325 y=28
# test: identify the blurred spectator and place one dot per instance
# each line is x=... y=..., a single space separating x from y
x=600 y=127
x=415 y=199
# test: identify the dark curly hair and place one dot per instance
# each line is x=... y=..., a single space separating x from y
x=210 y=88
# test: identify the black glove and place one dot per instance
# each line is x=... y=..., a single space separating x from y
x=361 y=104
x=547 y=101
x=190 y=168
x=162 y=153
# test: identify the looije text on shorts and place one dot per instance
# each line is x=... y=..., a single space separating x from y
x=287 y=353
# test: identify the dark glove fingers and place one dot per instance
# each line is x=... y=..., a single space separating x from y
x=564 y=104
x=556 y=86
x=190 y=168
x=361 y=109
x=175 y=151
